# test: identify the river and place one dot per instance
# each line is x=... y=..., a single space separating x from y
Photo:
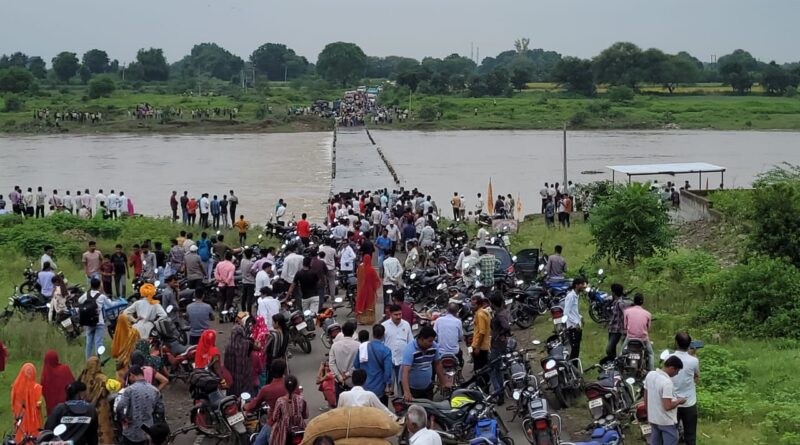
x=297 y=166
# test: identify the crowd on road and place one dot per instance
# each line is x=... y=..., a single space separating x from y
x=372 y=359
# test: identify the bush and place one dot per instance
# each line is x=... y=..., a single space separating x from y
x=775 y=219
x=578 y=119
x=598 y=107
x=620 y=93
x=759 y=298
x=101 y=86
x=13 y=102
x=16 y=80
x=782 y=426
x=428 y=113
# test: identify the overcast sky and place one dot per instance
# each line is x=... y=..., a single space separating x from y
x=414 y=28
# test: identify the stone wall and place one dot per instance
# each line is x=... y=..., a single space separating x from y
x=695 y=206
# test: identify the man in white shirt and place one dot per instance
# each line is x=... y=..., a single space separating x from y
x=291 y=265
x=573 y=315
x=392 y=275
x=397 y=335
x=280 y=212
x=685 y=386
x=330 y=265
x=96 y=333
x=67 y=202
x=342 y=357
x=47 y=257
x=478 y=206
x=205 y=210
x=543 y=193
x=427 y=236
x=393 y=233
x=263 y=278
x=99 y=198
x=347 y=257
x=661 y=403
x=112 y=202
x=358 y=396
x=267 y=307
x=449 y=331
x=480 y=238
x=416 y=423
x=377 y=215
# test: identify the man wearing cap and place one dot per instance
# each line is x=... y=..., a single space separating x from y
x=193 y=268
x=139 y=405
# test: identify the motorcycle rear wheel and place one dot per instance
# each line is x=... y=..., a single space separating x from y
x=326 y=340
x=596 y=313
x=304 y=344
x=26 y=288
x=523 y=318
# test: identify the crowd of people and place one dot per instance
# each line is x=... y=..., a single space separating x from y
x=82 y=117
x=213 y=211
x=38 y=204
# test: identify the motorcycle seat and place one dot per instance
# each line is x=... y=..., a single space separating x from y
x=442 y=406
x=600 y=387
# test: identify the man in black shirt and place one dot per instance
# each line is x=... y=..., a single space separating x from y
x=120 y=262
x=78 y=416
x=308 y=280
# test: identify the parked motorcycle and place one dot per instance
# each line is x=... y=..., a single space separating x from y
x=607 y=431
x=541 y=427
x=214 y=414
x=635 y=359
x=611 y=394
x=564 y=377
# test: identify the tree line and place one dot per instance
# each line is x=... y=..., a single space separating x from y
x=345 y=64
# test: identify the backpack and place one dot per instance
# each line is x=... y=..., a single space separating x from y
x=203 y=382
x=88 y=311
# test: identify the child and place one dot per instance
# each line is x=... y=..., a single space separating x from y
x=107 y=274
x=326 y=384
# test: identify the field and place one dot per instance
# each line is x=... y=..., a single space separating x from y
x=747 y=386
x=699 y=88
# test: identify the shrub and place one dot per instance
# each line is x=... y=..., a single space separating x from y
x=620 y=93
x=760 y=297
x=101 y=86
x=13 y=102
x=782 y=425
x=775 y=216
x=578 y=119
x=428 y=112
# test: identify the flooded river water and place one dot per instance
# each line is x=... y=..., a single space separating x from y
x=297 y=166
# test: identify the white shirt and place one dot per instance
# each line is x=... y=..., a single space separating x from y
x=291 y=265
x=112 y=201
x=393 y=232
x=262 y=280
x=479 y=205
x=392 y=271
x=205 y=205
x=267 y=307
x=280 y=212
x=330 y=257
x=571 y=310
x=684 y=380
x=98 y=198
x=481 y=238
x=123 y=204
x=376 y=217
x=425 y=437
x=46 y=258
x=396 y=338
x=145 y=314
x=102 y=300
x=659 y=386
x=66 y=201
x=358 y=396
x=347 y=258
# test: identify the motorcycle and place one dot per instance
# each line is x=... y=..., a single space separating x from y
x=299 y=332
x=635 y=359
x=30 y=304
x=641 y=417
x=564 y=377
x=524 y=306
x=539 y=425
x=216 y=415
x=600 y=303
x=610 y=394
x=607 y=431
x=31 y=277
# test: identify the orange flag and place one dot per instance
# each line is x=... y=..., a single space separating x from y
x=490 y=199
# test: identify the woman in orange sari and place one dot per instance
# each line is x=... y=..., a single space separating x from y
x=367 y=292
x=26 y=401
x=124 y=342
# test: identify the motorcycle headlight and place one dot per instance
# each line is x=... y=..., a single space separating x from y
x=520 y=282
x=413 y=276
x=441 y=286
x=550 y=364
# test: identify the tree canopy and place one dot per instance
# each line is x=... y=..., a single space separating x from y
x=150 y=65
x=276 y=61
x=15 y=80
x=210 y=59
x=65 y=65
x=341 y=63
x=575 y=75
x=96 y=61
x=620 y=64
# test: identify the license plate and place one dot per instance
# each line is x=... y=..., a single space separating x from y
x=236 y=418
x=552 y=373
x=558 y=320
x=469 y=349
x=635 y=356
x=595 y=403
x=646 y=429
x=67 y=322
x=302 y=325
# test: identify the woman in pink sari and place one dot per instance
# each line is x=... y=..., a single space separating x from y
x=258 y=357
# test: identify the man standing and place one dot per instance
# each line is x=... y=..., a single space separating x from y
x=330 y=264
x=45 y=280
x=304 y=229
x=449 y=330
x=397 y=335
x=480 y=336
x=184 y=203
x=393 y=233
x=556 y=265
x=392 y=276
x=112 y=202
x=307 y=280
x=572 y=312
x=487 y=264
x=383 y=245
x=242 y=225
x=347 y=257
x=120 y=262
x=248 y=280
x=135 y=261
x=280 y=212
x=543 y=194
x=319 y=267
x=91 y=262
x=616 y=326
x=412 y=257
x=478 y=206
x=456 y=203
x=16 y=200
x=29 y=202
x=47 y=257
x=66 y=201
x=215 y=211
x=292 y=264
x=342 y=357
x=223 y=274
x=420 y=358
x=233 y=201
x=205 y=210
x=175 y=256
x=95 y=325
x=661 y=403
x=685 y=386
x=637 y=327
x=41 y=198
x=500 y=328
x=56 y=204
x=199 y=313
x=139 y=405
x=173 y=204
x=223 y=211
x=99 y=198
x=148 y=262
x=375 y=360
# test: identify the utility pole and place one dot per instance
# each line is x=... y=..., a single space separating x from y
x=478 y=56
x=285 y=72
x=565 y=155
x=472 y=50
x=243 y=87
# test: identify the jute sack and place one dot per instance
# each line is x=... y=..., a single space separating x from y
x=342 y=423
x=363 y=441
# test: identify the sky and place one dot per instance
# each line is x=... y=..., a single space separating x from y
x=412 y=28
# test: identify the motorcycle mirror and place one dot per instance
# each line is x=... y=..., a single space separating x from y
x=600 y=272
x=101 y=350
x=48 y=305
x=246 y=396
x=218 y=232
x=514 y=258
x=630 y=380
x=389 y=291
x=413 y=276
x=169 y=309
x=224 y=312
x=245 y=247
x=541 y=267
x=536 y=342
x=665 y=355
x=60 y=429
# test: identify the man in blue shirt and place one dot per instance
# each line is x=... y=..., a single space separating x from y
x=419 y=360
x=383 y=244
x=215 y=212
x=375 y=358
x=449 y=330
x=573 y=315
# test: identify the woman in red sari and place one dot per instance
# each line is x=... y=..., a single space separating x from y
x=26 y=401
x=368 y=284
x=55 y=378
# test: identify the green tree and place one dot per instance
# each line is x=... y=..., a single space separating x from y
x=388 y=67
x=520 y=77
x=575 y=75
x=742 y=57
x=85 y=74
x=16 y=80
x=620 y=93
x=775 y=219
x=777 y=80
x=737 y=76
x=150 y=65
x=96 y=61
x=678 y=70
x=101 y=86
x=13 y=102
x=411 y=76
x=65 y=65
x=341 y=63
x=276 y=61
x=692 y=59
x=631 y=222
x=37 y=67
x=620 y=64
x=18 y=59
x=212 y=60
x=498 y=83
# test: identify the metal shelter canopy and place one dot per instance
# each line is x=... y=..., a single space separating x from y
x=668 y=169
